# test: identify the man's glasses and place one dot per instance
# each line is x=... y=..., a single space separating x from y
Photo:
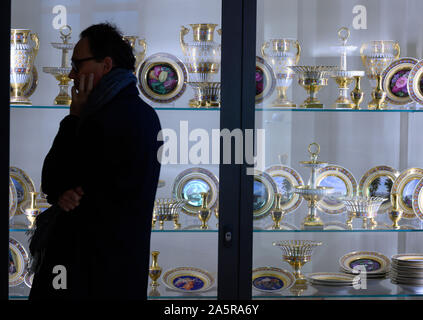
x=76 y=63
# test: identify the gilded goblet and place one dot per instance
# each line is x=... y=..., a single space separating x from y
x=376 y=55
x=297 y=253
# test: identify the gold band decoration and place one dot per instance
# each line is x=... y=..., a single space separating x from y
x=280 y=54
x=202 y=59
x=404 y=186
x=62 y=73
x=162 y=77
x=23 y=73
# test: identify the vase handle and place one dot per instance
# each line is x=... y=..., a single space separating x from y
x=182 y=33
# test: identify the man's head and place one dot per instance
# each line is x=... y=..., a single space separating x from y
x=100 y=48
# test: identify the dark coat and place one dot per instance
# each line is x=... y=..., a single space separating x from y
x=105 y=242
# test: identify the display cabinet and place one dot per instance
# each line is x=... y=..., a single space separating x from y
x=178 y=50
x=340 y=144
x=292 y=162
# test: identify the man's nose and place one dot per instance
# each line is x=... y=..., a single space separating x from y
x=72 y=74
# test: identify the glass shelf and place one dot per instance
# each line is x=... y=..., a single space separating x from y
x=271 y=109
x=170 y=230
x=275 y=109
x=375 y=288
x=156 y=108
x=341 y=231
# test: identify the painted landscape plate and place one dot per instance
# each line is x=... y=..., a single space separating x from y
x=188 y=279
x=189 y=185
x=418 y=200
x=265 y=80
x=23 y=185
x=286 y=179
x=270 y=279
x=395 y=79
x=162 y=78
x=374 y=262
x=18 y=263
x=343 y=183
x=263 y=194
x=377 y=182
x=405 y=185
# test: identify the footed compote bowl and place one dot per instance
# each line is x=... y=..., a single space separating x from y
x=362 y=207
x=312 y=79
x=297 y=253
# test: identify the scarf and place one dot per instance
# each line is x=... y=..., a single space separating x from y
x=106 y=89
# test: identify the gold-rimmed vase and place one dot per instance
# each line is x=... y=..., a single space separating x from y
x=139 y=46
x=155 y=270
x=281 y=53
x=22 y=69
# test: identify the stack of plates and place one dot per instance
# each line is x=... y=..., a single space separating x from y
x=407 y=269
x=332 y=279
x=376 y=264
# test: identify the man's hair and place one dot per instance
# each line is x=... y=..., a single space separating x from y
x=106 y=40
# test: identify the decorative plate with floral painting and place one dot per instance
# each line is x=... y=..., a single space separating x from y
x=162 y=77
x=395 y=78
x=265 y=80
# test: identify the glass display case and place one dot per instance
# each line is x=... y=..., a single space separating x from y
x=178 y=51
x=319 y=198
x=341 y=149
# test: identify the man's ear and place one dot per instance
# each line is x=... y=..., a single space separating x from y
x=108 y=64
